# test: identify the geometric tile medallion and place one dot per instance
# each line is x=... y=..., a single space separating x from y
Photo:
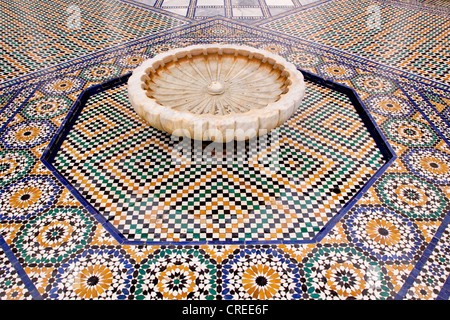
x=290 y=186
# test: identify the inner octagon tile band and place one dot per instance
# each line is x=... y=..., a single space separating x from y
x=296 y=198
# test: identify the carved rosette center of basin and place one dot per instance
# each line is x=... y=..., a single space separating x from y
x=216 y=92
x=215 y=88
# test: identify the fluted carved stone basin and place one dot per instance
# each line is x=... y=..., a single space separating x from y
x=216 y=92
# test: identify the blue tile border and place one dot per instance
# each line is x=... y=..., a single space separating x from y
x=22 y=105
x=381 y=141
x=419 y=109
x=20 y=271
x=401 y=294
x=445 y=291
x=430 y=105
x=53 y=147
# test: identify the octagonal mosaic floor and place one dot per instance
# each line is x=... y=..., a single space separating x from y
x=157 y=189
x=392 y=243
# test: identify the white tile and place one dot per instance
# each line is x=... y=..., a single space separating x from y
x=305 y=2
x=244 y=2
x=279 y=3
x=247 y=12
x=210 y=2
x=176 y=3
x=149 y=2
x=180 y=11
x=276 y=10
x=209 y=12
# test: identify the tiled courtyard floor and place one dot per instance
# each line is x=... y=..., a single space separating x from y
x=116 y=214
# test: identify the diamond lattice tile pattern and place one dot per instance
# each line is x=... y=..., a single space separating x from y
x=286 y=186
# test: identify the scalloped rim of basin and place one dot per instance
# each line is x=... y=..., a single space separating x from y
x=210 y=127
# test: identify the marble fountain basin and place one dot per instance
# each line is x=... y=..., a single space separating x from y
x=216 y=92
